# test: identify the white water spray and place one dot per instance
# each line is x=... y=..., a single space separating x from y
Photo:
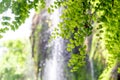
x=91 y=68
x=54 y=64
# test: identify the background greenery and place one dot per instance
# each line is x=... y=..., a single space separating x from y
x=14 y=63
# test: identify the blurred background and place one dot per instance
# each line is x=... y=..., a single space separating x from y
x=16 y=62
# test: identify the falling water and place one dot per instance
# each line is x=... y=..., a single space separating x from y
x=54 y=68
x=92 y=69
x=54 y=64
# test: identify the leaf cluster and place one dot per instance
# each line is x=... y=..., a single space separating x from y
x=13 y=61
x=78 y=18
x=20 y=9
x=75 y=27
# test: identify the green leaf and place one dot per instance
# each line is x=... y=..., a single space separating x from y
x=6 y=18
x=101 y=31
x=5 y=23
x=49 y=10
x=68 y=49
x=98 y=34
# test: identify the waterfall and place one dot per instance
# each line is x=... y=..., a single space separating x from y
x=55 y=63
x=92 y=69
x=54 y=66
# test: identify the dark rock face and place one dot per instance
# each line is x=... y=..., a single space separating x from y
x=44 y=35
x=39 y=40
x=118 y=76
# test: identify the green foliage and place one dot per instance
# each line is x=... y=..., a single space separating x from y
x=78 y=17
x=76 y=25
x=13 y=62
x=112 y=35
x=118 y=70
x=21 y=10
x=4 y=5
